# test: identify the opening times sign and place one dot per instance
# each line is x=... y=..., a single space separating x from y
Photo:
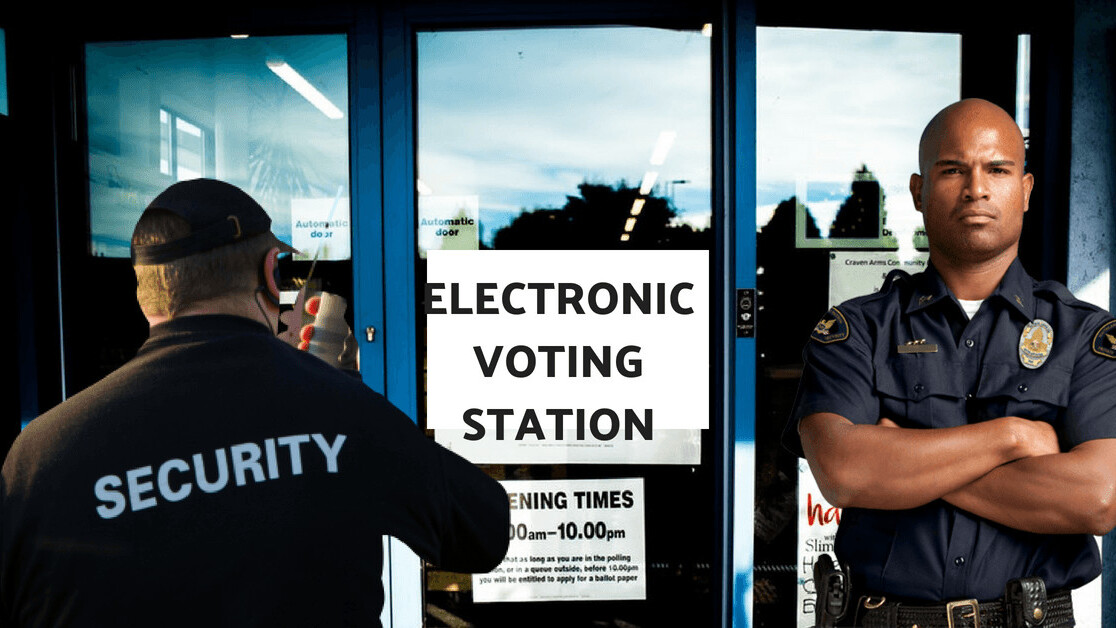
x=567 y=347
x=571 y=540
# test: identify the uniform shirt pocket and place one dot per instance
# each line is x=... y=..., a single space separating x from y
x=1010 y=390
x=920 y=391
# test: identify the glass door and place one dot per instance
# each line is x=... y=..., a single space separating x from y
x=267 y=114
x=567 y=172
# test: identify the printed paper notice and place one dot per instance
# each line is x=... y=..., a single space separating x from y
x=571 y=540
x=817 y=531
x=856 y=273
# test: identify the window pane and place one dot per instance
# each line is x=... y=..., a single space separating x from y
x=3 y=73
x=1023 y=86
x=163 y=111
x=836 y=106
x=190 y=153
x=529 y=118
x=164 y=142
x=574 y=138
x=839 y=117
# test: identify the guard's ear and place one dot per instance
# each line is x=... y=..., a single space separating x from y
x=916 y=191
x=1028 y=185
x=271 y=275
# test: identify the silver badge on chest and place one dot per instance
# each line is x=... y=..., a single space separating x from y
x=1035 y=343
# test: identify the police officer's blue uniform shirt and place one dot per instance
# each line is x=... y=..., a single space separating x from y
x=960 y=371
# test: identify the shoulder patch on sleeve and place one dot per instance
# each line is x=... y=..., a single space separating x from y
x=833 y=327
x=1104 y=341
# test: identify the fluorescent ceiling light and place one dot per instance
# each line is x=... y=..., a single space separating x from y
x=648 y=182
x=239 y=36
x=303 y=87
x=625 y=237
x=637 y=206
x=662 y=147
x=628 y=226
x=707 y=30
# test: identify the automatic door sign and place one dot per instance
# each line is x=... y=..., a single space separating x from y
x=567 y=349
x=571 y=540
x=448 y=222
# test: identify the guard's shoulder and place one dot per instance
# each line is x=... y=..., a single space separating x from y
x=1089 y=318
x=896 y=277
x=863 y=311
x=895 y=284
x=1060 y=293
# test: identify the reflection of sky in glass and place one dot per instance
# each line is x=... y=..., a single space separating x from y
x=3 y=74
x=829 y=101
x=520 y=117
x=239 y=122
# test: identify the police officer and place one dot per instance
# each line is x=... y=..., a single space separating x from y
x=964 y=417
x=223 y=477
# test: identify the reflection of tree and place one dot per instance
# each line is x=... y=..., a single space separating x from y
x=276 y=172
x=859 y=216
x=596 y=220
x=793 y=286
x=793 y=290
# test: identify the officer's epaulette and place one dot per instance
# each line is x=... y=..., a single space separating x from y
x=896 y=279
x=1063 y=294
x=896 y=276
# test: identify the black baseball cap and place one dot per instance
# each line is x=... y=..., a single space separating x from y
x=219 y=213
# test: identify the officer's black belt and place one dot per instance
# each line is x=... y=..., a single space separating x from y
x=1028 y=606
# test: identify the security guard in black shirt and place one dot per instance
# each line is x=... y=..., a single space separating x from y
x=963 y=417
x=222 y=477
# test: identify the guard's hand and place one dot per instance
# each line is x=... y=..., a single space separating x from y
x=306 y=332
x=333 y=339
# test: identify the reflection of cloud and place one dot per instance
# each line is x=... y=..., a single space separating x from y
x=544 y=109
x=830 y=100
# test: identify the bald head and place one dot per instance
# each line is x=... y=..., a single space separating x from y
x=972 y=191
x=967 y=113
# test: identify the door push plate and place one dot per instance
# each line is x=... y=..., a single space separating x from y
x=746 y=313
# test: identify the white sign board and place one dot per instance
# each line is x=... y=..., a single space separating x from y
x=817 y=529
x=567 y=347
x=854 y=274
x=664 y=447
x=571 y=540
